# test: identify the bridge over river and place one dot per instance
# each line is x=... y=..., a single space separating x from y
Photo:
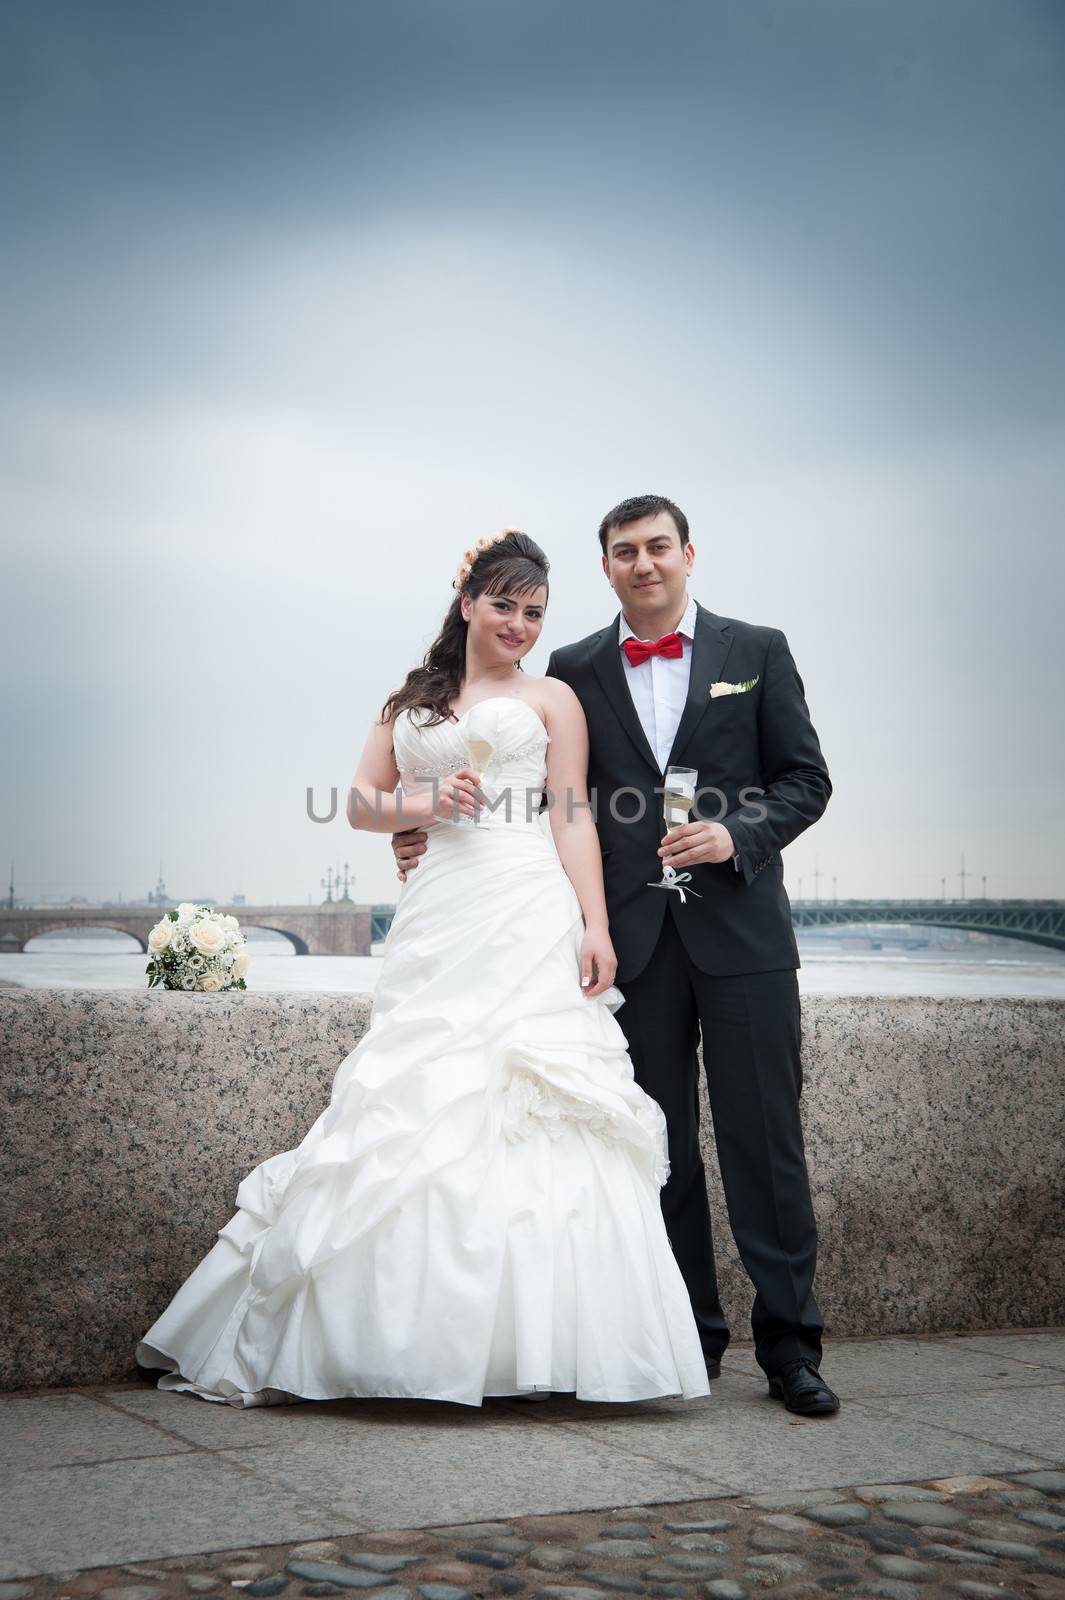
x=1032 y=921
x=338 y=928
x=341 y=928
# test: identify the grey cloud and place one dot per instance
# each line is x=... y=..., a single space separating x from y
x=296 y=296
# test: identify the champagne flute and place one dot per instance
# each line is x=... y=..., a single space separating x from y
x=480 y=752
x=678 y=798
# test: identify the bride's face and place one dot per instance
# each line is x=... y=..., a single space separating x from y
x=504 y=627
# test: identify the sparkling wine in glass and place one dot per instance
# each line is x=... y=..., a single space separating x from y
x=678 y=799
x=480 y=752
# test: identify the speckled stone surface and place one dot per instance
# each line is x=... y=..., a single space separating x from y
x=935 y=1141
x=935 y=1130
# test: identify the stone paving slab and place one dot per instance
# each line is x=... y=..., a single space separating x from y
x=63 y=1429
x=1020 y=1419
x=211 y=1426
x=98 y=1477
x=83 y=1516
x=499 y=1474
x=1046 y=1349
x=915 y=1366
x=877 y=1366
x=761 y=1447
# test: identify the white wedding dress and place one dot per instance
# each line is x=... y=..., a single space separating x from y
x=476 y=1212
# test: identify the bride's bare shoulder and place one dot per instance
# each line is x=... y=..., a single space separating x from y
x=554 y=696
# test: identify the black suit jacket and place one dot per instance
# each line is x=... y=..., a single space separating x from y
x=761 y=741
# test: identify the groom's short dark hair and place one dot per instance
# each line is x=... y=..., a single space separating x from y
x=642 y=505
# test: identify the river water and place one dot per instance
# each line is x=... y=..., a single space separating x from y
x=98 y=959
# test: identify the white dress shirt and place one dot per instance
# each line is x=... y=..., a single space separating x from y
x=659 y=688
x=659 y=685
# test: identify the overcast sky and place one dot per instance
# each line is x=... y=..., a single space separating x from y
x=300 y=298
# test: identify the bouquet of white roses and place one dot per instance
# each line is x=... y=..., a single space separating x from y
x=197 y=948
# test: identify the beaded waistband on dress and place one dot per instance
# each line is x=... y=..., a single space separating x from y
x=430 y=769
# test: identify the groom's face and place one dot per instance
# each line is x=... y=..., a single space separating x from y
x=648 y=566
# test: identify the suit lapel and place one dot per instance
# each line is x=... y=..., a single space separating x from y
x=710 y=648
x=606 y=659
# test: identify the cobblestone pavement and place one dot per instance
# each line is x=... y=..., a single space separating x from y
x=948 y=1539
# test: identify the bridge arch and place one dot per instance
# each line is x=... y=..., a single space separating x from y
x=61 y=926
x=300 y=947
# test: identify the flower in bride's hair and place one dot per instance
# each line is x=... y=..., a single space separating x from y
x=470 y=554
x=484 y=542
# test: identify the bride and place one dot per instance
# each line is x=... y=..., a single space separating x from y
x=476 y=1212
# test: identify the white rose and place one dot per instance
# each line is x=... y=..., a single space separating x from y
x=230 y=922
x=206 y=936
x=210 y=982
x=241 y=963
x=160 y=937
x=721 y=688
x=186 y=911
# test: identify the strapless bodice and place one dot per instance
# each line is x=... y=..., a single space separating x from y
x=515 y=775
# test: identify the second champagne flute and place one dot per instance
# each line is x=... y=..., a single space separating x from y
x=677 y=801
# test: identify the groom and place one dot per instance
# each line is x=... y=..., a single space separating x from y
x=670 y=683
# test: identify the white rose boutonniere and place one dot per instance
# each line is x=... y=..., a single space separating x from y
x=732 y=688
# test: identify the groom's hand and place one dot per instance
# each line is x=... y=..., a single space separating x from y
x=407 y=847
x=694 y=842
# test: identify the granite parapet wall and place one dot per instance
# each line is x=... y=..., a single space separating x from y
x=935 y=1135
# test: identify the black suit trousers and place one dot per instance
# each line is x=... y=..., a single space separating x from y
x=750 y=1026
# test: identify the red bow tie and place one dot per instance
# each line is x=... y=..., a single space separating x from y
x=639 y=650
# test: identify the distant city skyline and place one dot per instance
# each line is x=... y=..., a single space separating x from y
x=339 y=888
x=297 y=300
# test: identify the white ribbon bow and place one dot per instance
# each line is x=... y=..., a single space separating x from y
x=674 y=879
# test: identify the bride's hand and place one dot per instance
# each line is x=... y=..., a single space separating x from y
x=598 y=962
x=457 y=795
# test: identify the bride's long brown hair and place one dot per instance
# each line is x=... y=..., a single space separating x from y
x=514 y=565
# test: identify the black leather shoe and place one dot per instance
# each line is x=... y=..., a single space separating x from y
x=803 y=1390
x=713 y=1366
